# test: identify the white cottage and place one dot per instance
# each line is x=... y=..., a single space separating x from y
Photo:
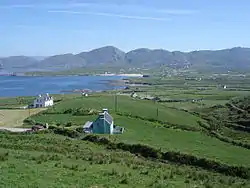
x=43 y=101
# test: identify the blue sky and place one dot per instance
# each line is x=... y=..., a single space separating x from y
x=48 y=27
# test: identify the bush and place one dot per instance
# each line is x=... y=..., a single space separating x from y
x=69 y=111
x=4 y=156
x=29 y=121
x=69 y=124
x=66 y=132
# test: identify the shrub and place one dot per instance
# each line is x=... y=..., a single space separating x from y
x=4 y=156
x=66 y=132
x=124 y=181
x=69 y=124
x=29 y=121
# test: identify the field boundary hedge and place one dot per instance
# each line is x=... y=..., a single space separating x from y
x=223 y=138
x=171 y=156
x=166 y=124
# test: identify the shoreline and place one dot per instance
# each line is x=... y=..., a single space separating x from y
x=125 y=75
x=68 y=75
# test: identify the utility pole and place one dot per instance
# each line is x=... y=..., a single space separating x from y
x=115 y=102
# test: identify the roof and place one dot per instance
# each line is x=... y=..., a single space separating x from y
x=37 y=127
x=108 y=117
x=87 y=124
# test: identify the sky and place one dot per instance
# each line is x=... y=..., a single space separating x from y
x=49 y=27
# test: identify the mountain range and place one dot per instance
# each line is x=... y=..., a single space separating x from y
x=234 y=58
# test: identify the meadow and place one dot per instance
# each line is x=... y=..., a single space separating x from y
x=162 y=125
x=47 y=160
x=140 y=130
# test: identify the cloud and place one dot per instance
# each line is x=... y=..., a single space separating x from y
x=103 y=6
x=18 y=6
x=134 y=7
x=111 y=15
x=47 y=5
x=178 y=12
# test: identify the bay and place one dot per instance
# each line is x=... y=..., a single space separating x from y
x=11 y=86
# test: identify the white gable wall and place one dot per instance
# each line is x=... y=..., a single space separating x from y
x=49 y=103
x=43 y=101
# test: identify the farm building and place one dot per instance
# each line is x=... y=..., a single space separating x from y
x=134 y=95
x=85 y=94
x=104 y=124
x=43 y=101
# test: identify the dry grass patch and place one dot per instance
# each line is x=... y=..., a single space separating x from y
x=14 y=118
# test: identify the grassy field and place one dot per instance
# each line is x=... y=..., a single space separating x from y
x=53 y=161
x=168 y=126
x=146 y=132
x=195 y=143
x=128 y=105
x=15 y=118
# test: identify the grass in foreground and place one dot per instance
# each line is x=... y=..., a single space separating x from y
x=55 y=161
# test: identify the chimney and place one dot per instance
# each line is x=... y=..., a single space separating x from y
x=105 y=110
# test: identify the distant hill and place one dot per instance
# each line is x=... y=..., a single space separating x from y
x=104 y=55
x=227 y=59
x=39 y=58
x=157 y=57
x=15 y=63
x=61 y=62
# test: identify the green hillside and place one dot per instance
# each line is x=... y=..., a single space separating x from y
x=173 y=142
x=55 y=161
x=141 y=128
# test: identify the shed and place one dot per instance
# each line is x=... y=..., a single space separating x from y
x=87 y=127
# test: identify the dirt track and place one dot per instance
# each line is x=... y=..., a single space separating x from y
x=16 y=130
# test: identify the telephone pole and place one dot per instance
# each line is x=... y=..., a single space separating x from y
x=157 y=113
x=115 y=102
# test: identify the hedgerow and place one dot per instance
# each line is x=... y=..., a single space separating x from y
x=176 y=157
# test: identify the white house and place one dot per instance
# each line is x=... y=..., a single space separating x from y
x=43 y=101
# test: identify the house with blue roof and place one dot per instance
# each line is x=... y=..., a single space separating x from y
x=104 y=124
